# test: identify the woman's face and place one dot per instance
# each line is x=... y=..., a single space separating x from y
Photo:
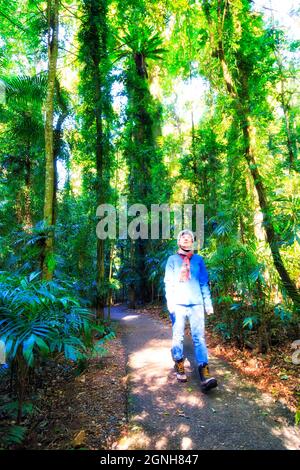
x=186 y=241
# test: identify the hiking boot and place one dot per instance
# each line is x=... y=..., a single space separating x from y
x=179 y=369
x=206 y=381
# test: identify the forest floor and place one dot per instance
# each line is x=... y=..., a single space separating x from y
x=78 y=410
x=130 y=399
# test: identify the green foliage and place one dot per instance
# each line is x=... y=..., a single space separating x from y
x=11 y=409
x=25 y=90
x=39 y=319
x=243 y=295
x=140 y=40
x=12 y=435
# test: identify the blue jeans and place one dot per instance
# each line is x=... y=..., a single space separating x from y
x=195 y=314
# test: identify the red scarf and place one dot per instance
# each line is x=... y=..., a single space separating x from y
x=185 y=273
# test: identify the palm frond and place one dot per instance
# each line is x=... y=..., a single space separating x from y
x=23 y=89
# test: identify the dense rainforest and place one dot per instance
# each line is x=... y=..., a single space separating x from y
x=149 y=102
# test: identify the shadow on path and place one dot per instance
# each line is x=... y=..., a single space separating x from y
x=165 y=414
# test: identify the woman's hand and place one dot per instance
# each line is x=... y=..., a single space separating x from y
x=210 y=311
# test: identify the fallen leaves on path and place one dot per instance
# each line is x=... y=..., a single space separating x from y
x=273 y=372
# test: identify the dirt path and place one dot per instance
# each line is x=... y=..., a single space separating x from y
x=164 y=414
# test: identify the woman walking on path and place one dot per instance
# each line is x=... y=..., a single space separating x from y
x=187 y=295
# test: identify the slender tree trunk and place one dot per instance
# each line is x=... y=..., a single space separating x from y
x=131 y=287
x=58 y=134
x=27 y=195
x=109 y=301
x=57 y=138
x=288 y=125
x=48 y=252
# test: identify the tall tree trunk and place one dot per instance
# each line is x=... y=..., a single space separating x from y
x=96 y=42
x=100 y=192
x=27 y=195
x=140 y=174
x=48 y=252
x=109 y=299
